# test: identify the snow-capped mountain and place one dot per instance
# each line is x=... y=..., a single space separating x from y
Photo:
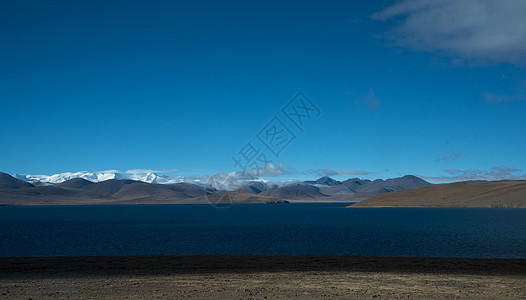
x=220 y=181
x=140 y=175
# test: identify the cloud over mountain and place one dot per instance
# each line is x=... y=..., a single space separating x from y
x=273 y=170
x=331 y=172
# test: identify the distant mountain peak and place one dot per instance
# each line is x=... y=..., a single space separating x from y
x=328 y=181
x=411 y=177
x=75 y=183
x=325 y=180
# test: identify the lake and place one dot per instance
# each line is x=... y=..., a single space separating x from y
x=261 y=229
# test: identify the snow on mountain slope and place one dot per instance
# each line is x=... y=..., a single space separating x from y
x=140 y=175
x=221 y=181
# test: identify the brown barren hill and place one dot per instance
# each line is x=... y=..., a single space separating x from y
x=9 y=182
x=503 y=193
x=297 y=191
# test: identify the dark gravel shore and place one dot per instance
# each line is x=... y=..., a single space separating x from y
x=260 y=277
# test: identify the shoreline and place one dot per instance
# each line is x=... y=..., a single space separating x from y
x=12 y=266
x=285 y=201
x=346 y=203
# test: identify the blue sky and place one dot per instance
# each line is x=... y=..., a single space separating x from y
x=435 y=89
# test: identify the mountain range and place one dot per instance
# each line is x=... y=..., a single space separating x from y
x=78 y=190
x=139 y=175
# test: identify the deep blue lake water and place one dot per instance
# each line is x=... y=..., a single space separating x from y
x=261 y=229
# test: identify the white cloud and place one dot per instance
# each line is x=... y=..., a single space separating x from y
x=234 y=180
x=486 y=31
x=496 y=173
x=272 y=170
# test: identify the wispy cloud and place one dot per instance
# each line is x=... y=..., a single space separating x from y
x=331 y=172
x=369 y=100
x=496 y=173
x=485 y=31
x=452 y=156
x=492 y=98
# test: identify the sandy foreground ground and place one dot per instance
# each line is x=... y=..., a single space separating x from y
x=261 y=277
